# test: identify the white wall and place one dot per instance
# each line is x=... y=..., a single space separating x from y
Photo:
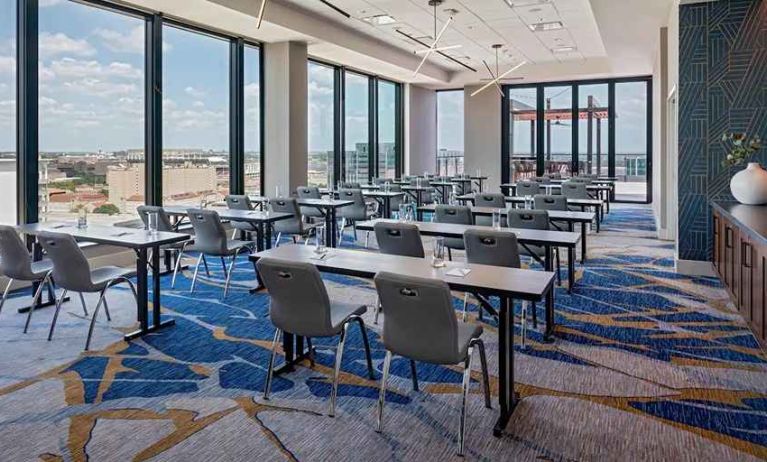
x=482 y=135
x=421 y=133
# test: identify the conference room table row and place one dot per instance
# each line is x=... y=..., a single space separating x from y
x=508 y=284
x=602 y=191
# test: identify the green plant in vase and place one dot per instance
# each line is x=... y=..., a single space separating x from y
x=748 y=186
x=742 y=148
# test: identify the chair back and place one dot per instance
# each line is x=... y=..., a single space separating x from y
x=457 y=214
x=494 y=200
x=544 y=202
x=491 y=247
x=163 y=221
x=14 y=257
x=575 y=190
x=71 y=270
x=528 y=219
x=528 y=188
x=402 y=239
x=352 y=194
x=308 y=192
x=420 y=319
x=287 y=205
x=350 y=185
x=209 y=233
x=542 y=179
x=299 y=301
x=581 y=179
x=239 y=202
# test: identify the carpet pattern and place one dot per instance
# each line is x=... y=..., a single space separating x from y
x=647 y=365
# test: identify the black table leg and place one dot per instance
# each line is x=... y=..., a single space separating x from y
x=267 y=232
x=142 y=289
x=507 y=398
x=583 y=242
x=570 y=269
x=387 y=207
x=549 y=333
x=600 y=216
x=293 y=347
x=260 y=237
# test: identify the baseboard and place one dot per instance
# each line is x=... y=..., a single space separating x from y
x=695 y=268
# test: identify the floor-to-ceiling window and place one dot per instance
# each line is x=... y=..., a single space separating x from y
x=195 y=155
x=611 y=135
x=387 y=129
x=593 y=139
x=8 y=112
x=557 y=129
x=631 y=140
x=449 y=133
x=321 y=124
x=252 y=118
x=91 y=112
x=356 y=127
x=522 y=133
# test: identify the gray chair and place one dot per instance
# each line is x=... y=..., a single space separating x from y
x=210 y=239
x=299 y=304
x=350 y=185
x=421 y=326
x=457 y=214
x=494 y=200
x=164 y=224
x=294 y=226
x=310 y=192
x=542 y=179
x=494 y=248
x=528 y=188
x=533 y=219
x=575 y=190
x=544 y=202
x=240 y=202
x=17 y=264
x=403 y=239
x=358 y=211
x=72 y=272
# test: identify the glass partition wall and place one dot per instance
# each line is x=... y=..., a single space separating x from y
x=132 y=108
x=355 y=126
x=599 y=127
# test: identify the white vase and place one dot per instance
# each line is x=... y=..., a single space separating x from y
x=749 y=186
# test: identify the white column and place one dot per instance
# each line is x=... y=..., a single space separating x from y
x=482 y=135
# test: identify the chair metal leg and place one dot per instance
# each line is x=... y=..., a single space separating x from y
x=366 y=343
x=354 y=228
x=378 y=310
x=524 y=325
x=196 y=269
x=223 y=267
x=310 y=348
x=5 y=293
x=367 y=238
x=56 y=314
x=559 y=267
x=464 y=396
x=35 y=299
x=337 y=370
x=205 y=262
x=234 y=233
x=82 y=302
x=382 y=392
x=270 y=369
x=106 y=307
x=465 y=303
x=93 y=320
x=485 y=376
x=177 y=265
x=414 y=375
x=449 y=254
x=279 y=238
x=229 y=273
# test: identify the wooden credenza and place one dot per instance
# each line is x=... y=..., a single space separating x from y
x=740 y=259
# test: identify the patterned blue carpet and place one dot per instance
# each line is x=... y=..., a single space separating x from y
x=648 y=365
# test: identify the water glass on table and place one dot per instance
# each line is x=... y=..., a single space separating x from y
x=438 y=256
x=497 y=219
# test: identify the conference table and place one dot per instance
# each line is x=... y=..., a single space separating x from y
x=506 y=283
x=140 y=241
x=536 y=237
x=329 y=209
x=260 y=220
x=602 y=191
x=383 y=198
x=555 y=216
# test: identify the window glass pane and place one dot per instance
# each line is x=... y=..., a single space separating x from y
x=8 y=112
x=387 y=122
x=631 y=141
x=449 y=133
x=321 y=124
x=593 y=139
x=91 y=110
x=557 y=129
x=252 y=120
x=356 y=127
x=522 y=104
x=195 y=105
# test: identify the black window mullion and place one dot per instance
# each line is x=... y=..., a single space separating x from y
x=261 y=126
x=540 y=127
x=574 y=166
x=399 y=138
x=236 y=117
x=372 y=128
x=611 y=129
x=505 y=148
x=153 y=110
x=27 y=142
x=338 y=124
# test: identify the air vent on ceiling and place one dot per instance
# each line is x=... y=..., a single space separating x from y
x=380 y=20
x=546 y=26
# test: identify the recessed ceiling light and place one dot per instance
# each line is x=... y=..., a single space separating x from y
x=380 y=20
x=524 y=3
x=563 y=49
x=546 y=26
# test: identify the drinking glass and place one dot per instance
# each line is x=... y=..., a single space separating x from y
x=402 y=215
x=82 y=217
x=319 y=246
x=497 y=219
x=152 y=222
x=277 y=191
x=438 y=257
x=529 y=202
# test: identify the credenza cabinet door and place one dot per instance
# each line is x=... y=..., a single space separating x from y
x=717 y=238
x=759 y=292
x=745 y=287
